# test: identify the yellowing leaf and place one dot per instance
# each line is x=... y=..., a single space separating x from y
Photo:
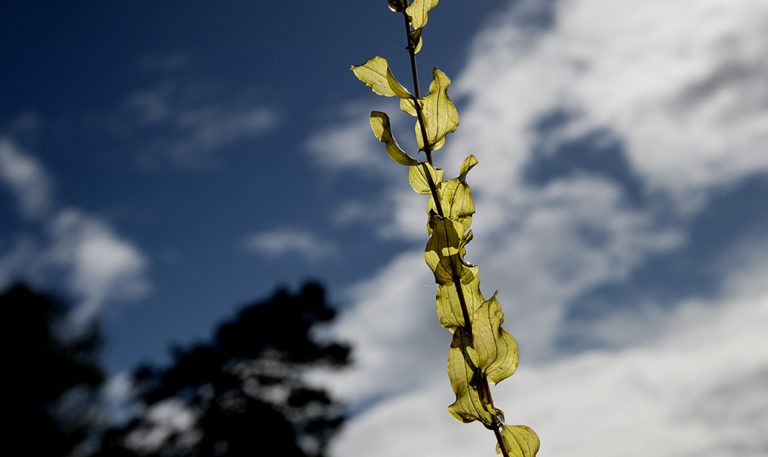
x=456 y=196
x=448 y=304
x=495 y=348
x=419 y=44
x=418 y=10
x=443 y=249
x=383 y=132
x=456 y=199
x=439 y=113
x=417 y=176
x=414 y=40
x=464 y=241
x=469 y=405
x=375 y=74
x=466 y=165
x=409 y=106
x=519 y=441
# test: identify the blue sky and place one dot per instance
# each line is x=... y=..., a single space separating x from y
x=183 y=128
x=161 y=164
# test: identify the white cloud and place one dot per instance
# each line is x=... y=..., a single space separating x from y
x=100 y=264
x=289 y=241
x=26 y=179
x=213 y=127
x=348 y=146
x=195 y=120
x=695 y=388
x=681 y=87
x=681 y=83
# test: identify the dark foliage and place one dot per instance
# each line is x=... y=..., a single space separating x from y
x=243 y=393
x=50 y=376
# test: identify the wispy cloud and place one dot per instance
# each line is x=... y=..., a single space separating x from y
x=101 y=265
x=683 y=393
x=98 y=264
x=347 y=146
x=680 y=83
x=189 y=125
x=679 y=87
x=23 y=175
x=289 y=241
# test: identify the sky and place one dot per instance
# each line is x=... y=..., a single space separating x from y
x=163 y=163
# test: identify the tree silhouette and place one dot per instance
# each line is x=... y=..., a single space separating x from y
x=244 y=393
x=50 y=376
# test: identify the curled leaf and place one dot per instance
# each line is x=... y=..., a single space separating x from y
x=456 y=197
x=496 y=349
x=414 y=40
x=375 y=74
x=469 y=405
x=417 y=176
x=409 y=106
x=383 y=131
x=448 y=304
x=443 y=252
x=417 y=12
x=469 y=162
x=439 y=113
x=519 y=441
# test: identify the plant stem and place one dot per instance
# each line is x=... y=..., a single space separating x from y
x=417 y=94
x=485 y=388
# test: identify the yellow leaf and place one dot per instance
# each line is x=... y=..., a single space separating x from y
x=448 y=304
x=417 y=12
x=383 y=132
x=414 y=40
x=519 y=441
x=469 y=405
x=409 y=106
x=439 y=113
x=417 y=176
x=442 y=253
x=466 y=165
x=496 y=349
x=375 y=74
x=418 y=46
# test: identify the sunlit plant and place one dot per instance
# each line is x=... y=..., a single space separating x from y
x=481 y=352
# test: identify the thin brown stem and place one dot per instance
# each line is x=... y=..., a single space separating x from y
x=485 y=388
x=416 y=92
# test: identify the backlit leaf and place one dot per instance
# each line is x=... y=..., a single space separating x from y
x=496 y=349
x=469 y=405
x=417 y=176
x=417 y=12
x=383 y=131
x=448 y=305
x=519 y=441
x=409 y=106
x=466 y=165
x=414 y=40
x=439 y=113
x=419 y=44
x=375 y=74
x=442 y=253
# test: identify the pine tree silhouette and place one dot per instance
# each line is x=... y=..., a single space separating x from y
x=51 y=377
x=243 y=393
